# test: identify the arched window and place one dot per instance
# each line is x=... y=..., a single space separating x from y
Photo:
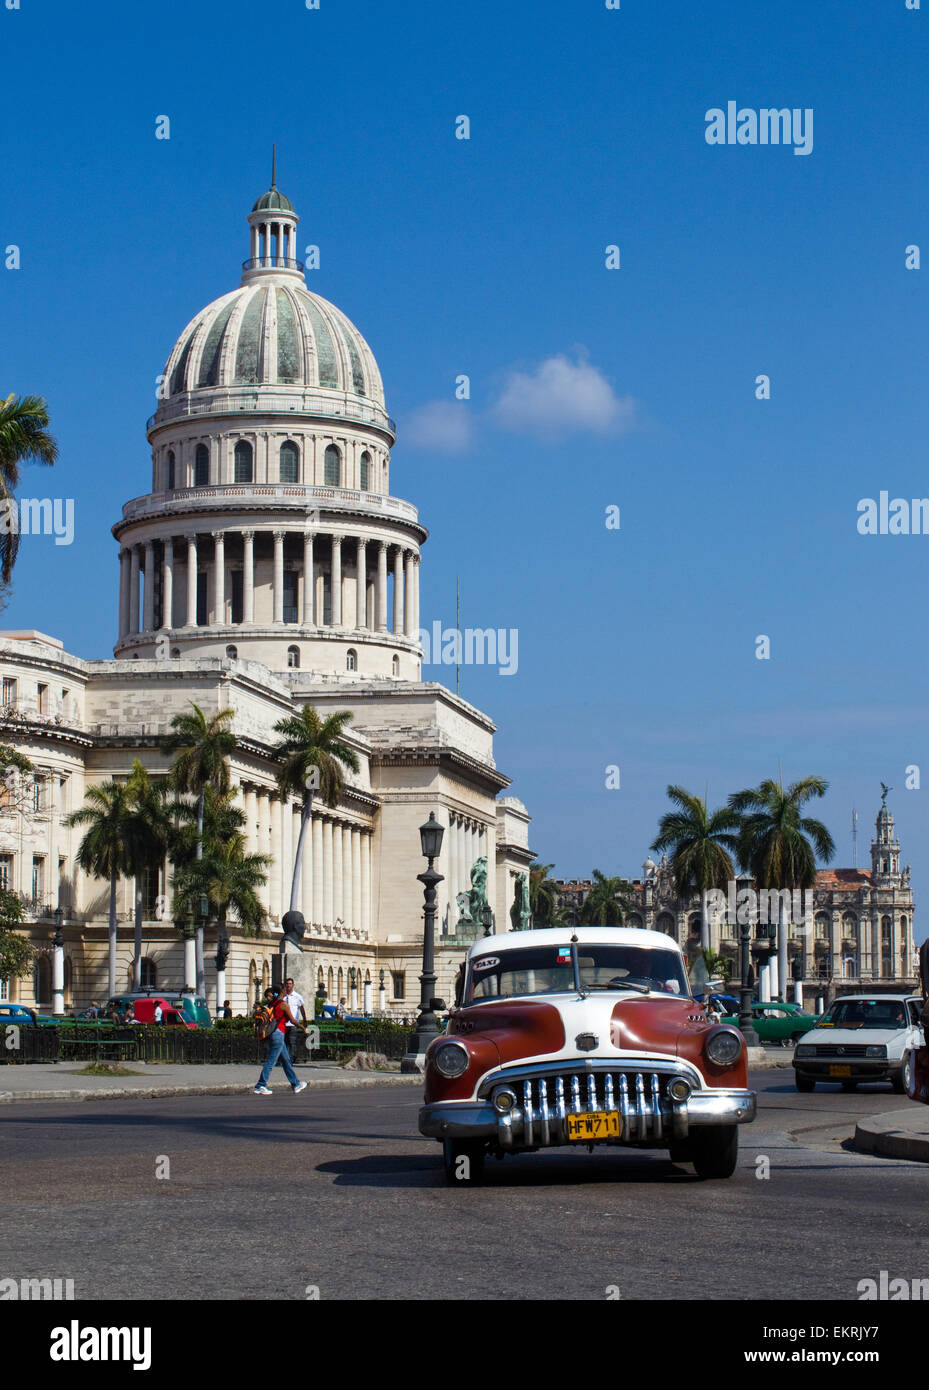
x=633 y=920
x=232 y=653
x=665 y=923
x=171 y=483
x=329 y=987
x=320 y=979
x=822 y=926
x=149 y=973
x=351 y=660
x=365 y=479
x=42 y=980
x=175 y=651
x=69 y=981
x=341 y=983
x=242 y=463
x=395 y=665
x=850 y=926
x=332 y=475
x=293 y=657
x=289 y=462
x=202 y=466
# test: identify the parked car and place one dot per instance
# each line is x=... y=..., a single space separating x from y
x=862 y=1037
x=143 y=1010
x=18 y=1013
x=582 y=1037
x=777 y=1022
x=194 y=1005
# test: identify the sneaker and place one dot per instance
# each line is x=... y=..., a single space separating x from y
x=262 y=1091
x=300 y=1086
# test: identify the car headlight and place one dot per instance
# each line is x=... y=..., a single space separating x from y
x=876 y=1051
x=451 y=1059
x=804 y=1050
x=724 y=1047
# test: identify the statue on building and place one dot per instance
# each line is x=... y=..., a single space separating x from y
x=519 y=912
x=471 y=903
x=884 y=790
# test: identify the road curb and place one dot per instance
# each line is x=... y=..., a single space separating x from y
x=885 y=1136
x=216 y=1089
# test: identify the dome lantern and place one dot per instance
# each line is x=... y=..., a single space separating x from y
x=273 y=225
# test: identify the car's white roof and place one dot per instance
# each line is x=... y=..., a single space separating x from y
x=876 y=998
x=586 y=936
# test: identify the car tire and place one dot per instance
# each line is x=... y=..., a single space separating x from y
x=849 y=1085
x=805 y=1084
x=900 y=1081
x=680 y=1152
x=715 y=1150
x=464 y=1162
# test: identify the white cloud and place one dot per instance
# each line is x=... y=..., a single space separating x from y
x=445 y=426
x=561 y=395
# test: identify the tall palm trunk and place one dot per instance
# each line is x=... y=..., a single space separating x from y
x=781 y=948
x=295 y=882
x=137 y=948
x=704 y=922
x=114 y=930
x=198 y=939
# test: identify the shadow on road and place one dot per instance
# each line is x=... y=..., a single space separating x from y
x=550 y=1171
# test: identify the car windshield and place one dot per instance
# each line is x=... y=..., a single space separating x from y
x=866 y=1013
x=548 y=970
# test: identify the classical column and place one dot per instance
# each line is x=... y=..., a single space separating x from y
x=453 y=870
x=134 y=587
x=382 y=586
x=287 y=852
x=328 y=917
x=416 y=623
x=191 y=581
x=361 y=587
x=335 y=572
x=408 y=588
x=167 y=588
x=279 y=576
x=148 y=611
x=249 y=811
x=306 y=875
x=338 y=875
x=219 y=579
x=356 y=919
x=348 y=896
x=366 y=883
x=308 y=616
x=317 y=856
x=398 y=590
x=275 y=848
x=248 y=576
x=125 y=566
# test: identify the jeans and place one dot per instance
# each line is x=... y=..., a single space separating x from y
x=277 y=1052
x=290 y=1037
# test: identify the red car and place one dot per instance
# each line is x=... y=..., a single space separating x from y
x=143 y=1011
x=582 y=1039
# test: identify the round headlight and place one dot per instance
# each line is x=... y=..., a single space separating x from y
x=724 y=1047
x=504 y=1100
x=451 y=1059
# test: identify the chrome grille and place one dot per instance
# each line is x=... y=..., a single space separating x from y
x=639 y=1097
x=842 y=1050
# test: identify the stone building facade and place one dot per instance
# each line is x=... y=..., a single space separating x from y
x=269 y=566
x=859 y=933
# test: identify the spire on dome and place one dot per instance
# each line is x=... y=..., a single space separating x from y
x=273 y=224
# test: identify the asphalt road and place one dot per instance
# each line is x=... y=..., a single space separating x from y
x=275 y=1196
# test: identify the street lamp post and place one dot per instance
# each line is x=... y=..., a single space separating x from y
x=382 y=994
x=222 y=955
x=58 y=966
x=430 y=835
x=746 y=1021
x=490 y=925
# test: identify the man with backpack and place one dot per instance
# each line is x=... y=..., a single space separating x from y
x=271 y=1019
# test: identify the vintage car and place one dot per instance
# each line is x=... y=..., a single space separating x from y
x=583 y=1036
x=776 y=1022
x=862 y=1037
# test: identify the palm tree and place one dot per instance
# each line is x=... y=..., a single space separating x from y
x=606 y=902
x=700 y=842
x=779 y=846
x=228 y=878
x=148 y=836
x=103 y=852
x=24 y=438
x=308 y=743
x=543 y=893
x=201 y=746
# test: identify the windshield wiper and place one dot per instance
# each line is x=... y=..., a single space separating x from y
x=641 y=989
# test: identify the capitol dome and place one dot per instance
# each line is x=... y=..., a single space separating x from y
x=272 y=331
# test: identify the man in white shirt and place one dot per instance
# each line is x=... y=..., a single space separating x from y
x=159 y=1013
x=295 y=1003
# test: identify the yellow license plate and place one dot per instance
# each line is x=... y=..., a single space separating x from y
x=596 y=1124
x=840 y=1071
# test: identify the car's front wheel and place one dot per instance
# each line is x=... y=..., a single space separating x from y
x=900 y=1081
x=804 y=1083
x=464 y=1161
x=714 y=1150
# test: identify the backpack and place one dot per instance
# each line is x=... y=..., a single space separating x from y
x=265 y=1023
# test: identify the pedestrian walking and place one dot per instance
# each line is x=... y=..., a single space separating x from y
x=159 y=1013
x=297 y=1006
x=227 y=1009
x=277 y=1048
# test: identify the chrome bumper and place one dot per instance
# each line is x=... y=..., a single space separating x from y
x=647 y=1113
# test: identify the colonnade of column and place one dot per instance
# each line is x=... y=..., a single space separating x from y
x=467 y=842
x=368 y=563
x=335 y=888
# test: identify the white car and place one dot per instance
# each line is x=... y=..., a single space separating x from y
x=863 y=1037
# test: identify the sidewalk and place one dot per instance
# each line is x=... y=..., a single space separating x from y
x=902 y=1133
x=62 y=1080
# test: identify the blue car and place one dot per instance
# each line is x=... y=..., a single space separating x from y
x=17 y=1013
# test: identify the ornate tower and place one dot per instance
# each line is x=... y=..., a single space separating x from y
x=885 y=848
x=270 y=532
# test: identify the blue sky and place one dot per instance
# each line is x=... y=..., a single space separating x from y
x=486 y=257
